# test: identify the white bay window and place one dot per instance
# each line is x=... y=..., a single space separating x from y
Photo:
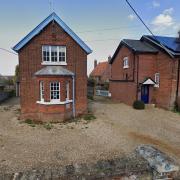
x=54 y=55
x=41 y=91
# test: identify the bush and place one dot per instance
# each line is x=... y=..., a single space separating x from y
x=177 y=105
x=138 y=104
x=12 y=93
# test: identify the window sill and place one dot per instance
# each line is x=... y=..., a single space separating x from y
x=156 y=86
x=54 y=63
x=125 y=67
x=54 y=102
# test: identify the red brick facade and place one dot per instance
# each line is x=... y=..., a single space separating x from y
x=125 y=84
x=30 y=59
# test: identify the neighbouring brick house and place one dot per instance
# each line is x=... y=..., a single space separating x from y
x=147 y=70
x=52 y=72
x=101 y=72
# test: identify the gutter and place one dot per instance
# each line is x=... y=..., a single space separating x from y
x=137 y=77
x=74 y=108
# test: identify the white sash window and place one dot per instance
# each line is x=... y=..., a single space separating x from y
x=54 y=55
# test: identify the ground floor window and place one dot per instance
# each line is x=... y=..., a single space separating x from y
x=55 y=90
x=41 y=91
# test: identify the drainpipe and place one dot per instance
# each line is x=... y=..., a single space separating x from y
x=137 y=77
x=177 y=89
x=74 y=109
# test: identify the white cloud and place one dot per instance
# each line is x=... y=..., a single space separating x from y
x=131 y=17
x=164 y=19
x=168 y=11
x=155 y=4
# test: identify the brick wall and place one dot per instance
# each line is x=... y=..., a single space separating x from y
x=30 y=58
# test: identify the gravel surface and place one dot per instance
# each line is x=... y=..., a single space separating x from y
x=117 y=131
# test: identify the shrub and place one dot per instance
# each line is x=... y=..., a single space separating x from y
x=12 y=93
x=90 y=97
x=138 y=104
x=177 y=105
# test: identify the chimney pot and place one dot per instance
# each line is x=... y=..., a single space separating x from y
x=95 y=63
x=109 y=58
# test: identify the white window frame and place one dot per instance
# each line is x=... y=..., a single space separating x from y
x=125 y=62
x=58 y=62
x=41 y=86
x=55 y=100
x=157 y=79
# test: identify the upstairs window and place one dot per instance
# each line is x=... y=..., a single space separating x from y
x=125 y=62
x=55 y=90
x=54 y=55
x=46 y=54
x=157 y=79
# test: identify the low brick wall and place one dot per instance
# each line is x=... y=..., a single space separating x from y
x=105 y=169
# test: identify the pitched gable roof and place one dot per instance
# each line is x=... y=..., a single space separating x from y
x=137 y=46
x=43 y=24
x=100 y=69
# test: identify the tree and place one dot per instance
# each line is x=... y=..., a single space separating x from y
x=16 y=76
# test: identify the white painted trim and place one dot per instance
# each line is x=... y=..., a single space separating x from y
x=50 y=62
x=125 y=67
x=54 y=63
x=54 y=102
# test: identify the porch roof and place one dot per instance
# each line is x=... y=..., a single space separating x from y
x=148 y=81
x=54 y=71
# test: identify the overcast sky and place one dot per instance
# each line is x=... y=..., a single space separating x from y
x=100 y=23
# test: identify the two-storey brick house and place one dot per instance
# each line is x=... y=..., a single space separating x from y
x=53 y=72
x=147 y=70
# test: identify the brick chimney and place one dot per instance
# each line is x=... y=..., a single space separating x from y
x=95 y=63
x=178 y=38
x=109 y=58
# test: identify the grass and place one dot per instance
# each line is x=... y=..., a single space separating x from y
x=89 y=117
x=33 y=123
x=30 y=122
x=48 y=126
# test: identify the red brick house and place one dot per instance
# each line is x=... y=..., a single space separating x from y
x=147 y=70
x=53 y=72
x=101 y=72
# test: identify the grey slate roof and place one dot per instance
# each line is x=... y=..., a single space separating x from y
x=139 y=46
x=54 y=71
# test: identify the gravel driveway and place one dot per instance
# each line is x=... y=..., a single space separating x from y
x=116 y=132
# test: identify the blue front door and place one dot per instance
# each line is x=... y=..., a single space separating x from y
x=145 y=93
